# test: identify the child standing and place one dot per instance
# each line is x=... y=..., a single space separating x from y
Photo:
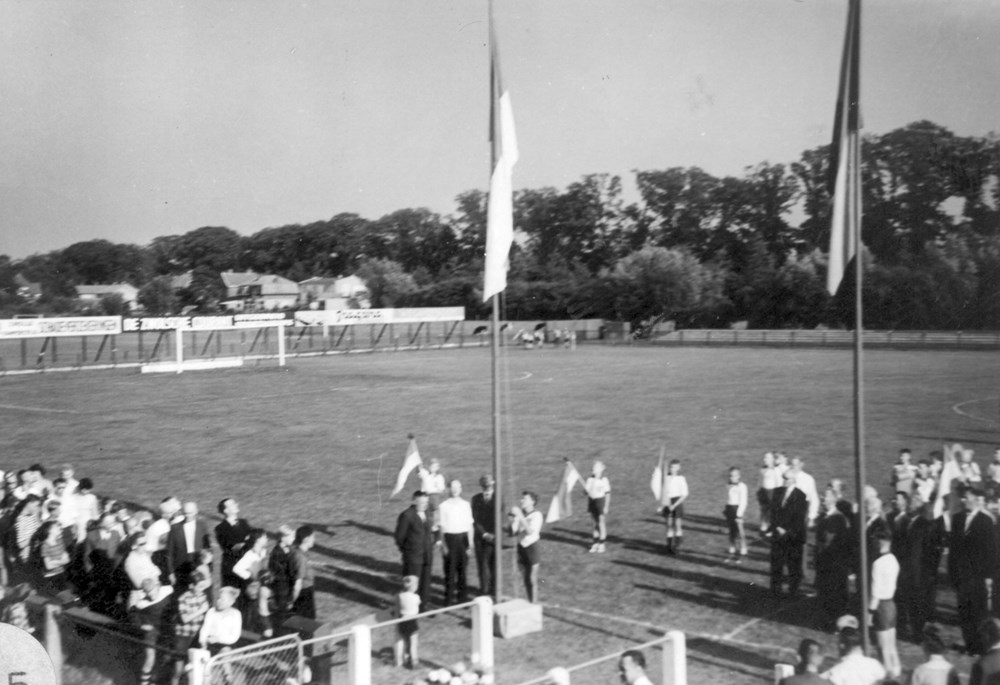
x=770 y=480
x=736 y=506
x=598 y=489
x=674 y=492
x=407 y=605
x=904 y=472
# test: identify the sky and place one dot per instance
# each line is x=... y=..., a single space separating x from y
x=128 y=121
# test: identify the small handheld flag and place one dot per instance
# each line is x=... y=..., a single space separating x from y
x=562 y=504
x=656 y=482
x=410 y=461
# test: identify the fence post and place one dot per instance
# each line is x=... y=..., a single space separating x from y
x=675 y=659
x=197 y=659
x=53 y=639
x=282 y=330
x=359 y=655
x=482 y=632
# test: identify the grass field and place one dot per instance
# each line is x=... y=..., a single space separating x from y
x=321 y=441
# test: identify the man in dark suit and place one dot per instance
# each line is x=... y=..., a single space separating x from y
x=834 y=552
x=101 y=555
x=415 y=540
x=232 y=535
x=484 y=539
x=972 y=559
x=791 y=508
x=918 y=552
x=185 y=541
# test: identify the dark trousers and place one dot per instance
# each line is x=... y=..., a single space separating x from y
x=832 y=591
x=972 y=611
x=420 y=565
x=486 y=553
x=786 y=554
x=455 y=562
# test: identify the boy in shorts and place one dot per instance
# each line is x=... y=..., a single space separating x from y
x=408 y=606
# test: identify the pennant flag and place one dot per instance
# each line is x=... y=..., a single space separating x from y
x=410 y=461
x=950 y=472
x=500 y=205
x=656 y=482
x=562 y=505
x=845 y=157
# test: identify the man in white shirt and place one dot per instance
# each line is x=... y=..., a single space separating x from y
x=455 y=520
x=854 y=668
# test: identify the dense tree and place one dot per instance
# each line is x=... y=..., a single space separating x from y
x=387 y=282
x=158 y=297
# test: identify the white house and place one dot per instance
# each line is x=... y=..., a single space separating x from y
x=92 y=293
x=249 y=291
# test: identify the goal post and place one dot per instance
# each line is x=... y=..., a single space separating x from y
x=185 y=330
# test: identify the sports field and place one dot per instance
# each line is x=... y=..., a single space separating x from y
x=321 y=440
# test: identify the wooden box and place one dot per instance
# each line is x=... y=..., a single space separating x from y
x=516 y=617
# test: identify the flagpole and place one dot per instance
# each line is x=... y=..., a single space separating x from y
x=853 y=215
x=495 y=358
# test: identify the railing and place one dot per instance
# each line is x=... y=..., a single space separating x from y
x=672 y=664
x=962 y=340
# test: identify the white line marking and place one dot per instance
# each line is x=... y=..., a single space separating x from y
x=957 y=408
x=38 y=409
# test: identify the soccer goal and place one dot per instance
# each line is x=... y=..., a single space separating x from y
x=177 y=344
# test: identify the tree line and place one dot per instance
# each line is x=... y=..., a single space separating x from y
x=699 y=249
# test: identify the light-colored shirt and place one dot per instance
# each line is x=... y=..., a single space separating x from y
x=597 y=487
x=409 y=604
x=455 y=516
x=935 y=671
x=674 y=486
x=529 y=529
x=189 y=529
x=431 y=483
x=221 y=627
x=737 y=495
x=885 y=572
x=856 y=669
x=807 y=484
x=156 y=535
x=249 y=564
x=770 y=477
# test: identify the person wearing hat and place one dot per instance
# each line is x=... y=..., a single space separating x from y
x=484 y=533
x=414 y=537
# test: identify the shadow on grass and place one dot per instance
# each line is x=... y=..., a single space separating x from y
x=583 y=539
x=351 y=523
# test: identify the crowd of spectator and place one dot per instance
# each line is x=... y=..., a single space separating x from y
x=152 y=571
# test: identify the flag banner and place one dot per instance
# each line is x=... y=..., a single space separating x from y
x=410 y=461
x=500 y=205
x=844 y=179
x=656 y=482
x=950 y=476
x=562 y=504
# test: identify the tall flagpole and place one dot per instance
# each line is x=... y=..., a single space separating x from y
x=495 y=349
x=854 y=213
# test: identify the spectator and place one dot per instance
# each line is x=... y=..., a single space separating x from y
x=223 y=624
x=232 y=535
x=807 y=484
x=834 y=552
x=854 y=668
x=971 y=474
x=986 y=670
x=50 y=558
x=253 y=560
x=919 y=555
x=159 y=529
x=87 y=508
x=302 y=600
x=904 y=472
x=68 y=474
x=770 y=480
x=281 y=575
x=100 y=559
x=632 y=668
x=937 y=670
x=192 y=605
x=138 y=567
x=184 y=542
x=734 y=510
x=807 y=669
x=148 y=614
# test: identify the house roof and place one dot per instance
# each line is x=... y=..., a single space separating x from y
x=105 y=289
x=234 y=279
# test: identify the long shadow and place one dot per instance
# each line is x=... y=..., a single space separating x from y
x=748 y=598
x=366 y=527
x=989 y=439
x=581 y=539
